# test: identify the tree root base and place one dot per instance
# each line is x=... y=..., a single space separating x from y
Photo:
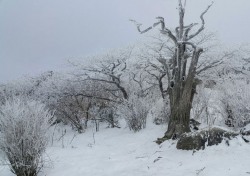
x=161 y=140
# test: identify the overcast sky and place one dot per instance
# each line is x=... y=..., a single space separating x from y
x=40 y=35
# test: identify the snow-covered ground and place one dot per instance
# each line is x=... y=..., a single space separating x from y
x=120 y=152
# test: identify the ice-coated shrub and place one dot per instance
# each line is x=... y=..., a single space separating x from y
x=24 y=135
x=134 y=111
x=237 y=105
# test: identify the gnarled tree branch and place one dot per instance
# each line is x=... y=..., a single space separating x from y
x=202 y=23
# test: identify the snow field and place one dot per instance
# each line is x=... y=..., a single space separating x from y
x=120 y=152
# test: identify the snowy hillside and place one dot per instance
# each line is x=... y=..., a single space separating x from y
x=113 y=152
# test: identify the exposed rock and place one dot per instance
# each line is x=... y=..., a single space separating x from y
x=192 y=141
x=200 y=139
x=194 y=124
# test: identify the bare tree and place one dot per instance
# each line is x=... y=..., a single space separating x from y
x=109 y=71
x=181 y=69
x=73 y=100
x=108 y=77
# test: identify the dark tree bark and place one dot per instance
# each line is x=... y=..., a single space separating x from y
x=181 y=94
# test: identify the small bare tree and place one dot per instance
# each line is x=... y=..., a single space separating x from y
x=109 y=70
x=24 y=135
x=180 y=69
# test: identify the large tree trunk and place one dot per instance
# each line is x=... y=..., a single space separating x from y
x=181 y=97
x=179 y=120
x=180 y=113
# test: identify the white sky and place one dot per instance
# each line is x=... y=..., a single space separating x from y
x=39 y=35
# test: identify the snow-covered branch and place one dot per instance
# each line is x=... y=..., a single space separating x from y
x=202 y=23
x=163 y=30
